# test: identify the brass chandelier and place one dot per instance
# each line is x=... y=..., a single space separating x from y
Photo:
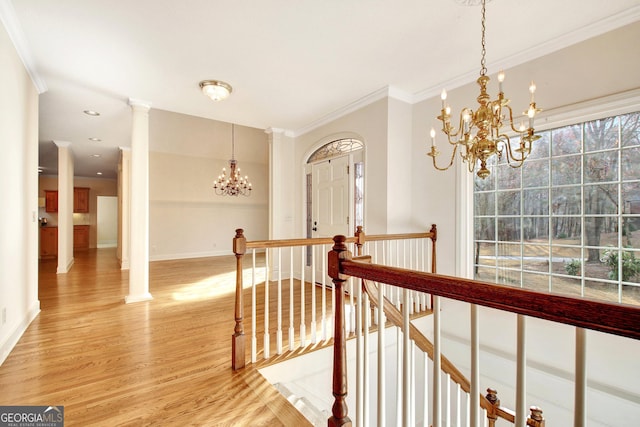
x=234 y=184
x=488 y=121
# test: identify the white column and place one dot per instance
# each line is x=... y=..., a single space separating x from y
x=124 y=207
x=65 y=206
x=139 y=232
x=281 y=176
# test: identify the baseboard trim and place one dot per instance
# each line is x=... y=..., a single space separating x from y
x=11 y=341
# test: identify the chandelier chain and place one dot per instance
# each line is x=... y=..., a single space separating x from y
x=483 y=69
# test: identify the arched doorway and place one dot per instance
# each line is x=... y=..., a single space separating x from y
x=335 y=188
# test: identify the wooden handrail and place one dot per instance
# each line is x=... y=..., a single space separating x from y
x=617 y=319
x=285 y=243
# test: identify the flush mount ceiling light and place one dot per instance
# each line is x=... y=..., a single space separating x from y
x=91 y=113
x=95 y=155
x=216 y=89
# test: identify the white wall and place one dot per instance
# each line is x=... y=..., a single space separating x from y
x=596 y=68
x=187 y=218
x=19 y=192
x=369 y=124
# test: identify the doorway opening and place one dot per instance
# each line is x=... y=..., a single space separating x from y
x=107 y=222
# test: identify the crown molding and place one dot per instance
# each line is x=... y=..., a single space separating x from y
x=14 y=30
x=139 y=103
x=604 y=25
x=385 y=92
x=286 y=132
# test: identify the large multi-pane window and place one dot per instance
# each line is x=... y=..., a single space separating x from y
x=568 y=220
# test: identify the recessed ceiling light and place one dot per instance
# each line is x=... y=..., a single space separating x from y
x=40 y=170
x=99 y=173
x=95 y=155
x=95 y=139
x=91 y=113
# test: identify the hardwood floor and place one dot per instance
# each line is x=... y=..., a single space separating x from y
x=161 y=362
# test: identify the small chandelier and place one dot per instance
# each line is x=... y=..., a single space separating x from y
x=234 y=184
x=488 y=121
x=215 y=89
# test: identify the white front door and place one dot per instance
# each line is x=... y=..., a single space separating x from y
x=331 y=198
x=330 y=207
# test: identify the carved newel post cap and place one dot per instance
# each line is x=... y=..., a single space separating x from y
x=536 y=413
x=492 y=396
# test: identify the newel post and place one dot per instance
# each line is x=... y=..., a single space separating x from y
x=535 y=417
x=339 y=409
x=492 y=397
x=360 y=237
x=237 y=339
x=434 y=238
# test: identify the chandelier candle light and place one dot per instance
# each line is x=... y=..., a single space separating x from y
x=488 y=120
x=234 y=184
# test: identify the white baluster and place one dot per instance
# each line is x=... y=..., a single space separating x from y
x=425 y=403
x=360 y=373
x=399 y=378
x=521 y=373
x=382 y=383
x=458 y=407
x=580 y=399
x=406 y=361
x=365 y=384
x=314 y=326
x=474 y=397
x=324 y=294
x=437 y=382
x=254 y=340
x=267 y=343
x=412 y=377
x=292 y=331
x=279 y=308
x=447 y=403
x=303 y=330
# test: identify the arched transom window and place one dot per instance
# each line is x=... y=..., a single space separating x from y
x=335 y=148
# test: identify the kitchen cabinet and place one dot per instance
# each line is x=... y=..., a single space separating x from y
x=50 y=201
x=80 y=237
x=48 y=242
x=81 y=200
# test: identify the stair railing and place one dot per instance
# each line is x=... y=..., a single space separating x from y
x=282 y=276
x=582 y=313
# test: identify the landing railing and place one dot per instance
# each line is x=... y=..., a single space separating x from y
x=582 y=313
x=291 y=294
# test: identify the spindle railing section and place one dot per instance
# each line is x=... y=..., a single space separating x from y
x=582 y=313
x=291 y=293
